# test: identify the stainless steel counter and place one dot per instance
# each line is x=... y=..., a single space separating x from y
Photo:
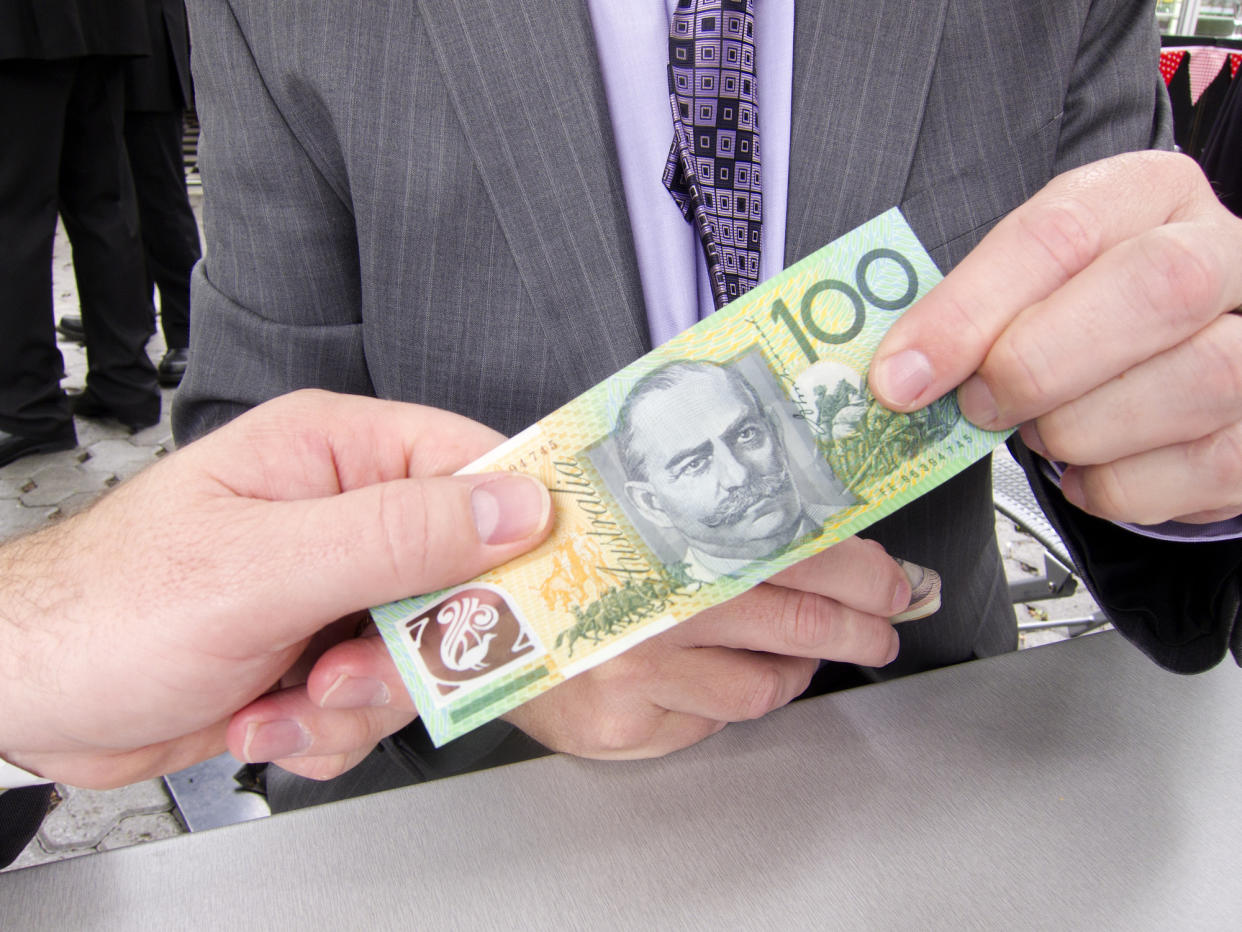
x=1070 y=786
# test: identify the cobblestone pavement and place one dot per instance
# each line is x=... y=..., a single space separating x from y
x=38 y=490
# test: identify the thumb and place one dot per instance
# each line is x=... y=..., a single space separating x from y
x=327 y=557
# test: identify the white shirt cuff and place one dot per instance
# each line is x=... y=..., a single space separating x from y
x=13 y=777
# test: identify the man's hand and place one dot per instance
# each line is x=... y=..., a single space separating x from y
x=131 y=634
x=737 y=661
x=1097 y=316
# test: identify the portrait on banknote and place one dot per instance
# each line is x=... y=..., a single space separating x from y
x=715 y=465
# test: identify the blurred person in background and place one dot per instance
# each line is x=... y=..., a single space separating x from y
x=158 y=92
x=62 y=109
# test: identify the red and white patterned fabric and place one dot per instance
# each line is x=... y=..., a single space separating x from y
x=1170 y=59
x=1205 y=65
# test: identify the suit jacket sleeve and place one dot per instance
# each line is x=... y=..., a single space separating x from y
x=277 y=303
x=1177 y=601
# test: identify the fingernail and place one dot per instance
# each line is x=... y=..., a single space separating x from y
x=267 y=741
x=901 y=596
x=1035 y=443
x=355 y=692
x=976 y=401
x=1071 y=488
x=902 y=378
x=894 y=650
x=509 y=508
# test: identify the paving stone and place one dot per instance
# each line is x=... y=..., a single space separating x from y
x=85 y=817
x=16 y=518
x=74 y=356
x=34 y=853
x=136 y=829
x=120 y=457
x=27 y=466
x=53 y=484
x=14 y=486
x=156 y=436
x=91 y=432
x=73 y=505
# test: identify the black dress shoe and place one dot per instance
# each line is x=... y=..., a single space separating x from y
x=70 y=327
x=172 y=367
x=15 y=446
x=87 y=404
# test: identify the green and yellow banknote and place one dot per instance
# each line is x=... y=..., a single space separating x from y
x=740 y=447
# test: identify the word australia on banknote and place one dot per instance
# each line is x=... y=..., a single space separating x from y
x=744 y=445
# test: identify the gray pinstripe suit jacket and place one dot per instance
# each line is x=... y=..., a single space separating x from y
x=419 y=199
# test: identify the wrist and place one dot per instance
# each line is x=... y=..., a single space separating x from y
x=30 y=598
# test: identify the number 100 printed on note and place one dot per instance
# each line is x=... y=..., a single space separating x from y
x=742 y=446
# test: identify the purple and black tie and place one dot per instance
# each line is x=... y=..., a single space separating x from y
x=713 y=164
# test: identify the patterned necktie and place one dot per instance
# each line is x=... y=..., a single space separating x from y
x=713 y=165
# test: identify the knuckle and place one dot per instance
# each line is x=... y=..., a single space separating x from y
x=406 y=529
x=293 y=411
x=1181 y=175
x=873 y=548
x=1065 y=229
x=762 y=691
x=1104 y=492
x=637 y=665
x=1021 y=372
x=811 y=620
x=1065 y=435
x=618 y=736
x=1179 y=278
x=302 y=398
x=1218 y=364
x=610 y=721
x=1217 y=459
x=961 y=319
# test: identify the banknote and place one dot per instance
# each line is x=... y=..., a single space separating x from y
x=747 y=443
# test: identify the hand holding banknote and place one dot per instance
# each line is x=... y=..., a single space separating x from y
x=733 y=662
x=1098 y=316
x=130 y=634
x=740 y=448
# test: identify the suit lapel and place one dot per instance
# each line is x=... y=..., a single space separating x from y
x=526 y=84
x=849 y=160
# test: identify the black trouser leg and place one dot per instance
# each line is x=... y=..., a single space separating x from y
x=169 y=233
x=99 y=208
x=33 y=98
x=21 y=813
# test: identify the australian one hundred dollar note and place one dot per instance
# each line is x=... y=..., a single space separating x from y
x=745 y=444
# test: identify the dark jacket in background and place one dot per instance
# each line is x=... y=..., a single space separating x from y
x=161 y=80
x=1222 y=155
x=51 y=29
x=62 y=106
x=157 y=93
